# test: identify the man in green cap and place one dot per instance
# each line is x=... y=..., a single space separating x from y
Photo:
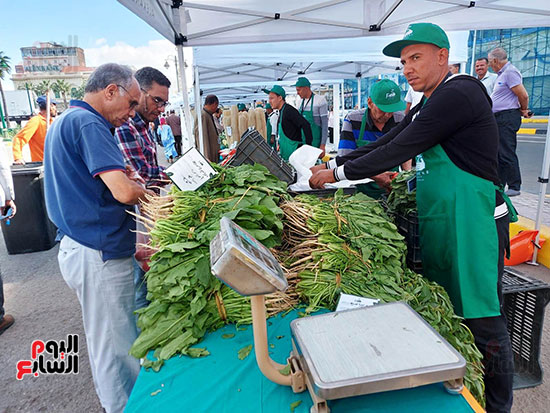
x=315 y=109
x=364 y=126
x=241 y=107
x=462 y=211
x=272 y=117
x=293 y=129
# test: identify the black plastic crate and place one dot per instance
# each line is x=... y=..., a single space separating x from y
x=324 y=193
x=253 y=148
x=525 y=299
x=407 y=225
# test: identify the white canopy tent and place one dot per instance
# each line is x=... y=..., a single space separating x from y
x=212 y=22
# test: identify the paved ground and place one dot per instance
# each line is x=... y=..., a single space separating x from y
x=45 y=308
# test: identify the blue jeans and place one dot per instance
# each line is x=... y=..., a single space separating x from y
x=141 y=286
x=1 y=298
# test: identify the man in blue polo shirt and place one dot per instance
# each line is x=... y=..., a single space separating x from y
x=89 y=193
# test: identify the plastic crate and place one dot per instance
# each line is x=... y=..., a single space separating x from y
x=324 y=193
x=407 y=225
x=525 y=299
x=253 y=148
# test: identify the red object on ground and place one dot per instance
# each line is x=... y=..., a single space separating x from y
x=522 y=247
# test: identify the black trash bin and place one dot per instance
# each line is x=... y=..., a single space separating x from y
x=30 y=230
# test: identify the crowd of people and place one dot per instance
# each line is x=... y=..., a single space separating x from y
x=100 y=161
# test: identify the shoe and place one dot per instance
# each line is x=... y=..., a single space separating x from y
x=512 y=192
x=6 y=323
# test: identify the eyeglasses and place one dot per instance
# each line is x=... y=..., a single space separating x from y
x=158 y=101
x=133 y=103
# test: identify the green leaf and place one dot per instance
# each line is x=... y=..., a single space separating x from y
x=226 y=336
x=294 y=405
x=285 y=371
x=244 y=352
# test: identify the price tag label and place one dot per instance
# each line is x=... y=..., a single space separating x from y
x=350 y=302
x=191 y=171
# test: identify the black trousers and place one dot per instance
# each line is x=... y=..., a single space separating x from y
x=1 y=298
x=509 y=122
x=331 y=134
x=177 y=140
x=493 y=341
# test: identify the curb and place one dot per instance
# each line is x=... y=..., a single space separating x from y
x=543 y=256
x=531 y=131
x=531 y=120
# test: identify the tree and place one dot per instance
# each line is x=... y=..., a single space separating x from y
x=4 y=70
x=42 y=88
x=63 y=88
x=78 y=93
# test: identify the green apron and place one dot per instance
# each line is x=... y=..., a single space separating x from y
x=371 y=189
x=458 y=234
x=269 y=130
x=315 y=129
x=286 y=145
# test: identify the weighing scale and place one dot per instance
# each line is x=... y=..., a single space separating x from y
x=335 y=355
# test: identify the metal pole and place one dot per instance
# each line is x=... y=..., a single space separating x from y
x=2 y=117
x=177 y=73
x=186 y=124
x=336 y=115
x=543 y=180
x=359 y=92
x=29 y=97
x=198 y=110
x=473 y=65
x=47 y=109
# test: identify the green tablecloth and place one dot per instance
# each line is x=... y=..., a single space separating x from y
x=223 y=383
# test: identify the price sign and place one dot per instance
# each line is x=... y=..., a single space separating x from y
x=191 y=171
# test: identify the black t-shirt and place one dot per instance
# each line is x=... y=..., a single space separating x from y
x=293 y=123
x=457 y=116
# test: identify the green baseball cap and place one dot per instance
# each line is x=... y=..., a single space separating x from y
x=278 y=90
x=241 y=106
x=418 y=33
x=268 y=106
x=302 y=82
x=387 y=96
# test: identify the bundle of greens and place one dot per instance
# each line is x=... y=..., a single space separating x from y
x=400 y=200
x=186 y=299
x=348 y=246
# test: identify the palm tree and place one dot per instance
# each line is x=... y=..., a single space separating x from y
x=4 y=70
x=42 y=88
x=62 y=87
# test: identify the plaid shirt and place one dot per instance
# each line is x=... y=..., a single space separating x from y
x=139 y=149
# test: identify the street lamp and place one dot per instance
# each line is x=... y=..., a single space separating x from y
x=167 y=66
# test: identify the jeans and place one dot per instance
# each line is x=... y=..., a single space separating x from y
x=492 y=340
x=106 y=292
x=141 y=286
x=509 y=122
x=2 y=312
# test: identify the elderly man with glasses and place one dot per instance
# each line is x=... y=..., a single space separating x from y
x=89 y=191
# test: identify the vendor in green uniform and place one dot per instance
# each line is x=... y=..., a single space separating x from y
x=272 y=118
x=462 y=212
x=364 y=126
x=290 y=125
x=315 y=109
x=241 y=107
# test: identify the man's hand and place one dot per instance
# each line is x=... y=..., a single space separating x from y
x=322 y=147
x=317 y=168
x=133 y=175
x=526 y=113
x=5 y=208
x=19 y=162
x=320 y=178
x=384 y=180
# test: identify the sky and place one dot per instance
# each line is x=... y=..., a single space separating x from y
x=106 y=30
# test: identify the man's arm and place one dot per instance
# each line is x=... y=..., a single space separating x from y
x=124 y=190
x=23 y=137
x=523 y=98
x=437 y=121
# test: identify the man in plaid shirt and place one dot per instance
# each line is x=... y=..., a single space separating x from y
x=135 y=140
x=138 y=147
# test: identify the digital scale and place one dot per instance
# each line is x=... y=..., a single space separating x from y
x=335 y=355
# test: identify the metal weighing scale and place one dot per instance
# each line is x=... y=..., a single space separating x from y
x=335 y=355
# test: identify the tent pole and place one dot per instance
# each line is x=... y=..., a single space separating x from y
x=336 y=114
x=543 y=180
x=198 y=109
x=186 y=124
x=358 y=92
x=473 y=65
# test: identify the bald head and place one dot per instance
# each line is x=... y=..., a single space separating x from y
x=497 y=58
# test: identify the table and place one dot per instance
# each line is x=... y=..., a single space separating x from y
x=222 y=383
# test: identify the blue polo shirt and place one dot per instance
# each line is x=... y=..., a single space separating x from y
x=79 y=147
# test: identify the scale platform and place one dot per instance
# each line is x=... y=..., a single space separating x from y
x=372 y=349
